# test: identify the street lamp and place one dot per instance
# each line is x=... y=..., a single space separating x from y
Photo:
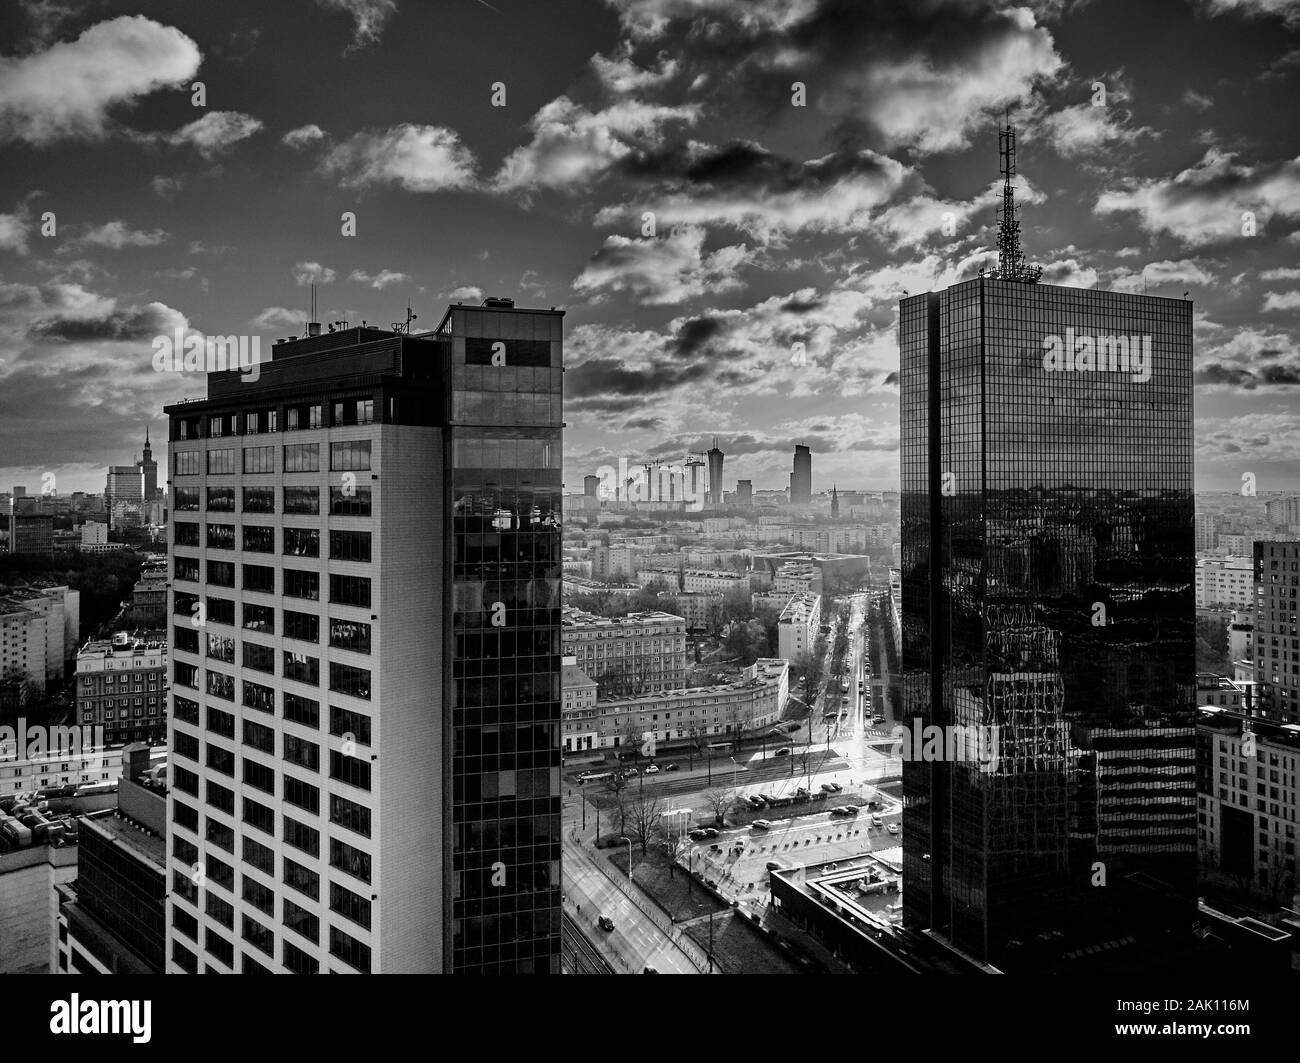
x=629 y=857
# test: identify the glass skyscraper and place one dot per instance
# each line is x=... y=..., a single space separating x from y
x=1048 y=563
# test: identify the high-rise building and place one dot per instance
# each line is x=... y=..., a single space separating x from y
x=801 y=477
x=744 y=492
x=590 y=486
x=835 y=503
x=1277 y=659
x=366 y=654
x=30 y=531
x=715 y=474
x=1048 y=568
x=129 y=489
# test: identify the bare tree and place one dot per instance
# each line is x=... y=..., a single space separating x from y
x=643 y=815
x=675 y=842
x=616 y=787
x=719 y=801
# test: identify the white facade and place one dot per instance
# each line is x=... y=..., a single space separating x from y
x=798 y=625
x=1225 y=583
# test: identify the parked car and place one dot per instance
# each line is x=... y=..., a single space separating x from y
x=784 y=751
x=828 y=787
x=876 y=821
x=873 y=803
x=766 y=798
x=605 y=923
x=670 y=767
x=697 y=835
x=761 y=824
x=801 y=792
x=711 y=832
x=892 y=828
x=653 y=769
x=754 y=802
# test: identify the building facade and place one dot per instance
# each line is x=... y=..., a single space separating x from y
x=1047 y=583
x=1225 y=583
x=366 y=618
x=122 y=688
x=798 y=625
x=1276 y=655
x=801 y=477
x=638 y=653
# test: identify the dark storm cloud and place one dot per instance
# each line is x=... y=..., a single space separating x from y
x=1218 y=373
x=607 y=376
x=694 y=334
x=891 y=380
x=1279 y=374
x=801 y=306
x=129 y=323
x=649 y=424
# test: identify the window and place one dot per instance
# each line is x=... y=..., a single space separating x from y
x=302 y=457
x=259 y=578
x=350 y=545
x=345 y=679
x=185 y=780
x=350 y=815
x=186 y=816
x=222 y=461
x=221 y=573
x=257 y=935
x=222 y=760
x=189 y=463
x=350 y=770
x=185 y=534
x=347 y=724
x=260 y=897
x=303 y=837
x=301 y=668
x=298 y=584
x=350 y=590
x=259 y=776
x=259 y=697
x=256 y=422
x=302 y=417
x=350 y=455
x=304 y=795
x=221 y=648
x=303 y=879
x=221 y=798
x=302 y=753
x=259 y=856
x=349 y=950
x=221 y=499
x=354 y=411
x=187 y=746
x=258 y=617
x=302 y=626
x=302 y=500
x=260 y=737
x=259 y=816
x=298 y=961
x=186 y=499
x=259 y=459
x=349 y=860
x=350 y=905
x=221 y=611
x=259 y=499
x=221 y=686
x=221 y=835
x=186 y=568
x=301 y=710
x=350 y=502
x=184 y=604
x=260 y=658
x=302 y=542
x=350 y=635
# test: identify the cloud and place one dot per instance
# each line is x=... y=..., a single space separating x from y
x=215 y=133
x=1247 y=358
x=166 y=186
x=1086 y=130
x=305 y=273
x=747 y=187
x=1209 y=201
x=466 y=293
x=915 y=220
x=303 y=136
x=1282 y=301
x=571 y=146
x=662 y=271
x=418 y=158
x=13 y=232
x=67 y=90
x=1286 y=10
x=619 y=75
x=1282 y=273
x=380 y=280
x=1157 y=275
x=278 y=319
x=116 y=235
x=369 y=17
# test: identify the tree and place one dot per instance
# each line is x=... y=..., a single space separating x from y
x=719 y=801
x=643 y=816
x=616 y=787
x=746 y=641
x=675 y=842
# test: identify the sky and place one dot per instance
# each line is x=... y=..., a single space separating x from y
x=727 y=197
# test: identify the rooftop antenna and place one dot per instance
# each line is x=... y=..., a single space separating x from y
x=313 y=326
x=1011 y=257
x=399 y=326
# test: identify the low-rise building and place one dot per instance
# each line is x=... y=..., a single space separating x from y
x=1224 y=583
x=579 y=708
x=798 y=625
x=634 y=654
x=122 y=687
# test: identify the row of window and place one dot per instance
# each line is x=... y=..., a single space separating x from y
x=348 y=500
x=296 y=542
x=343 y=678
x=349 y=455
x=298 y=417
x=344 y=590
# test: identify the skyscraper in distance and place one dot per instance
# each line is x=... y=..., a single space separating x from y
x=1048 y=562
x=715 y=474
x=366 y=654
x=801 y=477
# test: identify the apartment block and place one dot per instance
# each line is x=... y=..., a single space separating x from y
x=1277 y=634
x=798 y=625
x=1224 y=583
x=122 y=687
x=634 y=654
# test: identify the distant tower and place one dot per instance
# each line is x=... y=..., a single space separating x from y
x=835 y=503
x=590 y=485
x=1011 y=258
x=715 y=474
x=149 y=469
x=801 y=477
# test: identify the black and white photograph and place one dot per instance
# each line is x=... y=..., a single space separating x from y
x=631 y=487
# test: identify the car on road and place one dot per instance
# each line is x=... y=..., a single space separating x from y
x=832 y=787
x=605 y=923
x=873 y=803
x=844 y=810
x=670 y=767
x=755 y=802
x=892 y=828
x=711 y=832
x=653 y=769
x=631 y=771
x=697 y=835
x=761 y=824
x=876 y=821
x=784 y=751
x=801 y=792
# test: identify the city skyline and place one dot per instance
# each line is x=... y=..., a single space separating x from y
x=775 y=224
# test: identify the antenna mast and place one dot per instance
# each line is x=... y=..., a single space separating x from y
x=1011 y=257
